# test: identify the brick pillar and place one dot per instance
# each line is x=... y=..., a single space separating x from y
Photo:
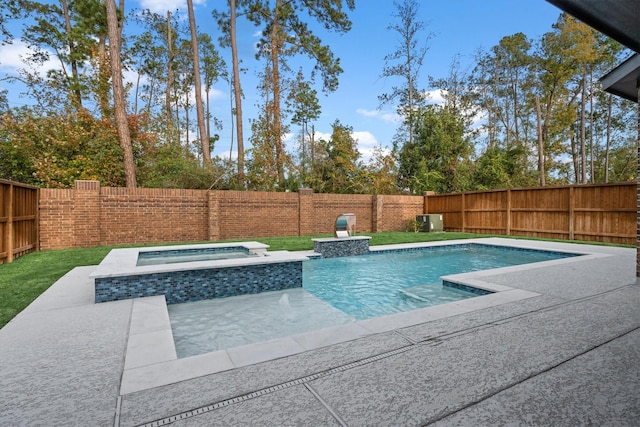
x=213 y=204
x=377 y=214
x=305 y=212
x=86 y=213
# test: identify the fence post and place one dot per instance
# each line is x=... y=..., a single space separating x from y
x=37 y=220
x=426 y=195
x=508 y=219
x=463 y=212
x=9 y=236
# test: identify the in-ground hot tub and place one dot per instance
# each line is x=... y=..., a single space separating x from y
x=195 y=272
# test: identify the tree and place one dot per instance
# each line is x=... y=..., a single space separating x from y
x=285 y=34
x=212 y=67
x=504 y=78
x=62 y=31
x=204 y=136
x=337 y=169
x=170 y=58
x=237 y=90
x=382 y=172
x=405 y=63
x=120 y=107
x=57 y=150
x=228 y=24
x=306 y=108
x=439 y=158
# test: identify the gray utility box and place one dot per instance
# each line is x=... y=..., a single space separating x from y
x=430 y=223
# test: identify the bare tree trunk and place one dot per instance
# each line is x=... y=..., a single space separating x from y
x=72 y=49
x=574 y=155
x=119 y=107
x=186 y=121
x=312 y=143
x=204 y=136
x=277 y=124
x=137 y=91
x=169 y=74
x=592 y=168
x=583 y=131
x=103 y=77
x=541 y=170
x=608 y=146
x=231 y=101
x=237 y=93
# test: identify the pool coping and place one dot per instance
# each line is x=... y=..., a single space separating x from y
x=151 y=361
x=122 y=262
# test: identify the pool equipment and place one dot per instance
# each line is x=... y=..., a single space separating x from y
x=430 y=223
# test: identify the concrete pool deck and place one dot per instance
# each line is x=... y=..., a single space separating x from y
x=568 y=354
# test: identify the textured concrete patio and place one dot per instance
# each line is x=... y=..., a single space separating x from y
x=567 y=354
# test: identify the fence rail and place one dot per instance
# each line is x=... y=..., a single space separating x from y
x=603 y=213
x=18 y=220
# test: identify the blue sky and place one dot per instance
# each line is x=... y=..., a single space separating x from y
x=458 y=27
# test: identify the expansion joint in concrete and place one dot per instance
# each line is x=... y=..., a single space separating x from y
x=300 y=381
x=518 y=381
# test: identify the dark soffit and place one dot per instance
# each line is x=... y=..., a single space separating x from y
x=620 y=20
x=623 y=80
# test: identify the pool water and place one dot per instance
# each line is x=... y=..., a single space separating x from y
x=177 y=256
x=379 y=284
x=210 y=325
x=337 y=291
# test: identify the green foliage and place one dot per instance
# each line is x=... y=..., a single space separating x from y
x=438 y=159
x=336 y=168
x=483 y=136
x=60 y=149
x=168 y=166
x=500 y=168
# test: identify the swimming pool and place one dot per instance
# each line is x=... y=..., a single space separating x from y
x=387 y=282
x=342 y=290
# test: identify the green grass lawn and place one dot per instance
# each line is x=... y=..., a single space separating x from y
x=26 y=278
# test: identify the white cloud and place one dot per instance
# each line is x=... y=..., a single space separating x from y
x=158 y=6
x=366 y=142
x=368 y=113
x=321 y=135
x=384 y=116
x=365 y=139
x=14 y=55
x=214 y=94
x=435 y=96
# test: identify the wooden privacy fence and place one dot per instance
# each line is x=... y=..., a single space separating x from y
x=603 y=213
x=18 y=220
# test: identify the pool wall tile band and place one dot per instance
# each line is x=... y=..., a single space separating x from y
x=466 y=288
x=332 y=248
x=195 y=285
x=178 y=252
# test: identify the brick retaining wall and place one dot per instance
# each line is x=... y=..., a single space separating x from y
x=91 y=215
